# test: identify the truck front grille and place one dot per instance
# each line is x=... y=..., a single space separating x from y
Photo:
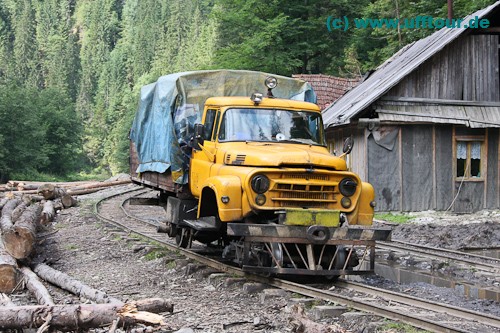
x=304 y=190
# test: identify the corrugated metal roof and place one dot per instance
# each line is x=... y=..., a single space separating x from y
x=470 y=116
x=392 y=71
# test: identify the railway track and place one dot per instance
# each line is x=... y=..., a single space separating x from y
x=424 y=314
x=478 y=262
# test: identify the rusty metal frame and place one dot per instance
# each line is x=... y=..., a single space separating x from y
x=354 y=238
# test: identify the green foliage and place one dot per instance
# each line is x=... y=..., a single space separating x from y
x=282 y=37
x=71 y=70
x=39 y=131
x=155 y=254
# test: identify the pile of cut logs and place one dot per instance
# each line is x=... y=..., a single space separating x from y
x=26 y=209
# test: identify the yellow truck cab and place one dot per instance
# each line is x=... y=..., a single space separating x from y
x=264 y=187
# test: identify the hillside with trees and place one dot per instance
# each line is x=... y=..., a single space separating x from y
x=71 y=70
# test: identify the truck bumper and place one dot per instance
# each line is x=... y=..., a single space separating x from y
x=308 y=217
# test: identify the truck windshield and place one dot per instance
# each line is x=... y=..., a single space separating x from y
x=271 y=125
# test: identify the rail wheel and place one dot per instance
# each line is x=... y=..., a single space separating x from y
x=182 y=237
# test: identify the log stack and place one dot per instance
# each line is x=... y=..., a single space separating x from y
x=21 y=215
x=9 y=274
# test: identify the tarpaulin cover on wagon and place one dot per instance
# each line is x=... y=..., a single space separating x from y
x=169 y=108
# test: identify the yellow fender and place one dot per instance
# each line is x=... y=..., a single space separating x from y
x=227 y=187
x=363 y=214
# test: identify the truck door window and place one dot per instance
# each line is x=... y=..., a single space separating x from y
x=209 y=124
x=216 y=125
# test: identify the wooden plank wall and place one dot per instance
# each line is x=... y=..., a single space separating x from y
x=467 y=69
x=443 y=167
x=470 y=198
x=357 y=160
x=384 y=171
x=417 y=168
x=493 y=184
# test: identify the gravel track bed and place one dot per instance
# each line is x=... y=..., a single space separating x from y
x=128 y=268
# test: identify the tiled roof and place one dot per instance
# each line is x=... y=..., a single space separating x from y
x=328 y=88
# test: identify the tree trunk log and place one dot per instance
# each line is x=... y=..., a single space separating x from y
x=50 y=191
x=6 y=219
x=99 y=185
x=82 y=192
x=72 y=285
x=31 y=198
x=36 y=287
x=26 y=187
x=18 y=211
x=12 y=183
x=68 y=201
x=84 y=316
x=3 y=201
x=48 y=212
x=9 y=274
x=19 y=240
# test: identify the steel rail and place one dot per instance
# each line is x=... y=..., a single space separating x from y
x=327 y=295
x=437 y=253
x=457 y=252
x=411 y=300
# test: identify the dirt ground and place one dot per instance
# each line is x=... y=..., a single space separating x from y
x=130 y=269
x=452 y=231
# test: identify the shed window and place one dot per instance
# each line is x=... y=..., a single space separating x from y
x=469 y=159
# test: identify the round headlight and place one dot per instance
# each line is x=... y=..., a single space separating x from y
x=260 y=184
x=347 y=187
x=271 y=82
x=260 y=199
x=345 y=202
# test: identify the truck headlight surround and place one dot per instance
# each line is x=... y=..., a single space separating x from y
x=347 y=187
x=260 y=183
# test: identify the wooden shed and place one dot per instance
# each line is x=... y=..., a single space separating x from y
x=426 y=122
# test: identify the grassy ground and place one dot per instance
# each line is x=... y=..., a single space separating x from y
x=394 y=217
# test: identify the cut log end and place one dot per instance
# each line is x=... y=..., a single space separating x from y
x=68 y=201
x=9 y=277
x=19 y=242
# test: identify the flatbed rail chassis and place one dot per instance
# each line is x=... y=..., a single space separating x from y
x=310 y=246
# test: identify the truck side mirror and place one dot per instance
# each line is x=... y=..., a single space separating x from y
x=198 y=136
x=348 y=143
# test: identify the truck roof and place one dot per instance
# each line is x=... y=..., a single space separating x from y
x=266 y=103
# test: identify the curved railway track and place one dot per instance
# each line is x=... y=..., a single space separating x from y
x=476 y=261
x=424 y=314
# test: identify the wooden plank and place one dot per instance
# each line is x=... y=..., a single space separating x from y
x=454 y=162
x=434 y=186
x=484 y=167
x=400 y=156
x=444 y=166
x=440 y=101
x=486 y=31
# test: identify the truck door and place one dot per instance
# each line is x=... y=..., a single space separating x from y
x=202 y=161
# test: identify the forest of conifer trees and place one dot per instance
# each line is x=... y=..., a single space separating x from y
x=71 y=70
